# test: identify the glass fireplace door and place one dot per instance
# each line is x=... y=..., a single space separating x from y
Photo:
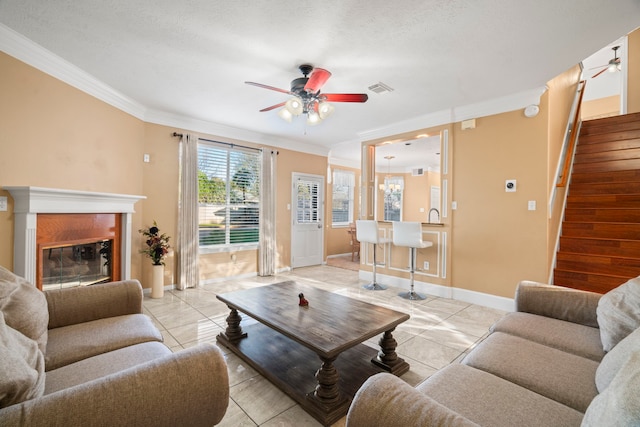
x=77 y=264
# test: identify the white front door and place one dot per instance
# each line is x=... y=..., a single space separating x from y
x=307 y=231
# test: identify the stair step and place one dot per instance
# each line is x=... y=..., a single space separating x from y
x=611 y=266
x=608 y=247
x=583 y=189
x=605 y=156
x=601 y=230
x=613 y=165
x=615 y=135
x=599 y=147
x=604 y=177
x=624 y=215
x=611 y=124
x=600 y=201
x=587 y=282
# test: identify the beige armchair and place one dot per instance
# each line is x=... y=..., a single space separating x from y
x=88 y=356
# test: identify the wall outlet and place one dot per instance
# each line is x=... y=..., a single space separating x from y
x=425 y=266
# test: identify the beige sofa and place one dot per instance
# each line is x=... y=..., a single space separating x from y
x=563 y=358
x=87 y=356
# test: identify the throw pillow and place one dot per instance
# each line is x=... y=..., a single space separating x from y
x=613 y=360
x=21 y=367
x=619 y=404
x=619 y=313
x=24 y=307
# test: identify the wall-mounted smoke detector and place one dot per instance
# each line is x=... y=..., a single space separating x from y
x=380 y=88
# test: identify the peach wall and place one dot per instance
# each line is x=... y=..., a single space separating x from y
x=496 y=240
x=337 y=239
x=56 y=136
x=288 y=163
x=602 y=107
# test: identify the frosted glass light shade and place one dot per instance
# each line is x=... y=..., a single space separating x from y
x=294 y=106
x=325 y=110
x=313 y=118
x=285 y=115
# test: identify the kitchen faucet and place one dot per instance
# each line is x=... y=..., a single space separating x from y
x=429 y=215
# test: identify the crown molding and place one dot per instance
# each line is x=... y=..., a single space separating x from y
x=25 y=50
x=230 y=132
x=481 y=109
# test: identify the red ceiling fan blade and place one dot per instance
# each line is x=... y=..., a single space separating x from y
x=268 y=87
x=345 y=97
x=273 y=107
x=318 y=78
x=599 y=72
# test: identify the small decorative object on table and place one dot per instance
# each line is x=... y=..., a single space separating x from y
x=157 y=248
x=303 y=301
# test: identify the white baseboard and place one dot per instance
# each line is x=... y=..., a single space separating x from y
x=472 y=297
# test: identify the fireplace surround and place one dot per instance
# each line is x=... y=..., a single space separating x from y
x=86 y=210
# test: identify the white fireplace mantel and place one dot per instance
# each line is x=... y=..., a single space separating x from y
x=30 y=201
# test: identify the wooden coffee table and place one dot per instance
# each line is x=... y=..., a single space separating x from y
x=288 y=340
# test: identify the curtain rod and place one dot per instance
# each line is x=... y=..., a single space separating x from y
x=220 y=142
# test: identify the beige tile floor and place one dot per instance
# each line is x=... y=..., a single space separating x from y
x=440 y=331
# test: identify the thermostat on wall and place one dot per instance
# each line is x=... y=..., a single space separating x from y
x=510 y=185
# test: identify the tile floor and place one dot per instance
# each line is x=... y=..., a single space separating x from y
x=440 y=331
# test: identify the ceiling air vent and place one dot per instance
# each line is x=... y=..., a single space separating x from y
x=417 y=172
x=380 y=88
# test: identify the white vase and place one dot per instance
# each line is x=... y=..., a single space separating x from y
x=157 y=281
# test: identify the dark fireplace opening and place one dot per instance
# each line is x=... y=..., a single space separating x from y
x=77 y=264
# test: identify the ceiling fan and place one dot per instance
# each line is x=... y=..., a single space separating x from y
x=612 y=66
x=307 y=98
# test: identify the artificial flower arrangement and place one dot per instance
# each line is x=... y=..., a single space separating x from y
x=157 y=244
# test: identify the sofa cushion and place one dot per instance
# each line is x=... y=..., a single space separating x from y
x=619 y=404
x=613 y=361
x=24 y=307
x=567 y=336
x=72 y=343
x=619 y=313
x=102 y=365
x=386 y=400
x=489 y=400
x=21 y=366
x=556 y=374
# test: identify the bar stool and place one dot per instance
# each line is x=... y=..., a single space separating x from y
x=409 y=234
x=367 y=232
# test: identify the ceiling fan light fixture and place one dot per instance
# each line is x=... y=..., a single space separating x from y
x=285 y=115
x=325 y=110
x=313 y=118
x=294 y=106
x=613 y=66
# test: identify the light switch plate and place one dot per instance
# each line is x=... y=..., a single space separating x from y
x=3 y=204
x=531 y=205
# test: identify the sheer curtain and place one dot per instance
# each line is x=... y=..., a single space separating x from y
x=267 y=245
x=187 y=241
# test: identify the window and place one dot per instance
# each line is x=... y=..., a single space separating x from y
x=228 y=196
x=343 y=189
x=393 y=188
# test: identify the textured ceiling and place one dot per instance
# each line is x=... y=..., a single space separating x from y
x=191 y=58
